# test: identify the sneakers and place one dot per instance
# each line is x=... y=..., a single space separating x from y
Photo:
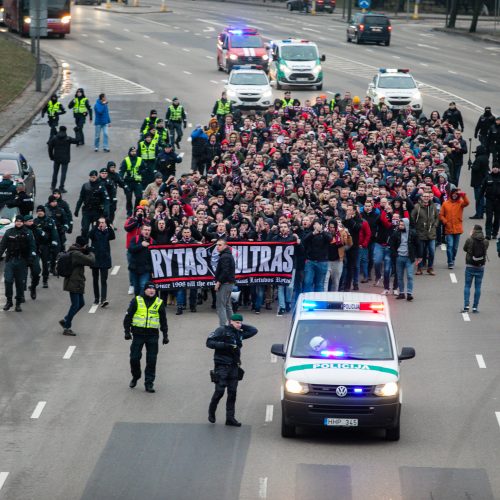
x=409 y=297
x=149 y=388
x=386 y=292
x=395 y=291
x=69 y=332
x=419 y=272
x=281 y=311
x=450 y=266
x=378 y=282
x=465 y=309
x=475 y=310
x=104 y=303
x=133 y=383
x=130 y=290
x=179 y=311
x=401 y=296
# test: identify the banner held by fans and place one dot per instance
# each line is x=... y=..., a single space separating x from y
x=193 y=265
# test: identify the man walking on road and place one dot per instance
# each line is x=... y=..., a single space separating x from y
x=224 y=282
x=491 y=191
x=144 y=318
x=227 y=342
x=478 y=172
x=101 y=123
x=75 y=283
x=475 y=249
x=60 y=154
x=81 y=108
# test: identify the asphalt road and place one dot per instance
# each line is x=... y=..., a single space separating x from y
x=95 y=439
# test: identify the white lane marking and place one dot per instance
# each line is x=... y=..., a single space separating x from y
x=190 y=125
x=167 y=99
x=84 y=35
x=115 y=270
x=165 y=43
x=452 y=72
x=177 y=27
x=126 y=29
x=396 y=57
x=139 y=56
x=310 y=29
x=274 y=358
x=262 y=487
x=3 y=478
x=453 y=278
x=211 y=22
x=213 y=81
x=466 y=316
x=497 y=413
x=482 y=81
x=424 y=64
x=186 y=50
x=161 y=64
x=208 y=29
x=427 y=46
x=181 y=155
x=100 y=41
x=69 y=352
x=269 y=413
x=38 y=409
x=187 y=72
x=443 y=247
x=118 y=48
x=198 y=34
x=93 y=309
x=480 y=361
x=210 y=57
x=147 y=36
x=186 y=31
x=330 y=92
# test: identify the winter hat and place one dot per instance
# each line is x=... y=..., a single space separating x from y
x=236 y=317
x=110 y=164
x=93 y=173
x=144 y=203
x=444 y=176
x=81 y=241
x=149 y=284
x=40 y=208
x=19 y=217
x=52 y=198
x=28 y=217
x=269 y=221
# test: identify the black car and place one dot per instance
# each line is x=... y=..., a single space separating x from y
x=369 y=28
x=321 y=5
x=21 y=171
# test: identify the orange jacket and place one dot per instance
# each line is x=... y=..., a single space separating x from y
x=451 y=214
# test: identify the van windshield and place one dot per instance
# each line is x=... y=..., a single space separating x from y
x=299 y=53
x=341 y=339
x=246 y=41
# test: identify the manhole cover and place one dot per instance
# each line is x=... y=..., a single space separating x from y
x=45 y=71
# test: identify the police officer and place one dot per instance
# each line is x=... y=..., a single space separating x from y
x=110 y=188
x=167 y=161
x=130 y=172
x=53 y=109
x=47 y=239
x=149 y=122
x=58 y=215
x=34 y=265
x=161 y=135
x=22 y=200
x=116 y=181
x=65 y=206
x=227 y=342
x=147 y=149
x=175 y=117
x=7 y=189
x=19 y=244
x=95 y=202
x=144 y=318
x=287 y=100
x=486 y=120
x=222 y=107
x=491 y=191
x=81 y=108
x=494 y=140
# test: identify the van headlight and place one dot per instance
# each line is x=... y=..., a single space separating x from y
x=233 y=57
x=389 y=389
x=265 y=57
x=295 y=387
x=317 y=69
x=231 y=92
x=66 y=19
x=284 y=68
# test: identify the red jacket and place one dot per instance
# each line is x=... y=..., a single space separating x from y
x=365 y=234
x=133 y=229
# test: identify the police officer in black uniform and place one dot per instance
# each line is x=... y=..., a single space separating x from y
x=110 y=188
x=19 y=244
x=227 y=342
x=117 y=181
x=47 y=240
x=491 y=191
x=58 y=215
x=94 y=202
x=22 y=200
x=34 y=265
x=65 y=206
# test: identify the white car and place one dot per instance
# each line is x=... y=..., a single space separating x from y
x=248 y=87
x=399 y=89
x=341 y=364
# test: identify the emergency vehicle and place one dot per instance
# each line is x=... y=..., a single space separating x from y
x=341 y=364
x=236 y=46
x=399 y=89
x=249 y=87
x=295 y=62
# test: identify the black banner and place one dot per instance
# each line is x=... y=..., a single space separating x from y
x=193 y=265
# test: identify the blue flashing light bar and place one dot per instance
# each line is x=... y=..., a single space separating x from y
x=358 y=390
x=236 y=32
x=336 y=353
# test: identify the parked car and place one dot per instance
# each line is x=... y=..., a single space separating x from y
x=7 y=216
x=369 y=28
x=321 y=5
x=21 y=171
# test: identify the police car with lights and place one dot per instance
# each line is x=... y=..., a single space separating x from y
x=295 y=62
x=249 y=87
x=398 y=88
x=341 y=364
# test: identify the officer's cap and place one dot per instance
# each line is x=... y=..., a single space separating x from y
x=40 y=208
x=236 y=317
x=104 y=169
x=149 y=284
x=110 y=164
x=28 y=217
x=93 y=173
x=19 y=217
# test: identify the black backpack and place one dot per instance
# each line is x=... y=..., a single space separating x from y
x=64 y=264
x=478 y=253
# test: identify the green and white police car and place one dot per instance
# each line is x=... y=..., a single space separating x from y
x=295 y=62
x=341 y=364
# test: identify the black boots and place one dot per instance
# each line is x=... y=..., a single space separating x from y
x=8 y=305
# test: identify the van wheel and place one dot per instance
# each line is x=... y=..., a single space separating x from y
x=348 y=39
x=278 y=85
x=319 y=87
x=287 y=430
x=392 y=434
x=357 y=40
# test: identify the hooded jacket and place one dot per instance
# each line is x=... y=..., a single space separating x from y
x=76 y=281
x=199 y=143
x=478 y=235
x=60 y=146
x=480 y=167
x=101 y=113
x=451 y=214
x=411 y=241
x=425 y=220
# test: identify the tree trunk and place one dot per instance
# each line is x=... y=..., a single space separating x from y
x=453 y=14
x=478 y=4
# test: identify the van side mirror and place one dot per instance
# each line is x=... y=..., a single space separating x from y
x=406 y=353
x=278 y=350
x=275 y=57
x=323 y=58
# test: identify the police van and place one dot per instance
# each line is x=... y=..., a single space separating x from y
x=295 y=62
x=341 y=364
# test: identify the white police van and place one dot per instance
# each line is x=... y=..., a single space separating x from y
x=341 y=364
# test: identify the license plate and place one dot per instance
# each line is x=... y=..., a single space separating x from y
x=302 y=79
x=341 y=422
x=376 y=29
x=49 y=30
x=398 y=106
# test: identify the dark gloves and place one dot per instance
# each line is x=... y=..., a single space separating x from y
x=128 y=336
x=165 y=340
x=185 y=124
x=76 y=213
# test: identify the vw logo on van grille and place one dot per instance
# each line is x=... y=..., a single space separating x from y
x=341 y=391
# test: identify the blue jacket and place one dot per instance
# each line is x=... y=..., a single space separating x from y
x=100 y=246
x=101 y=113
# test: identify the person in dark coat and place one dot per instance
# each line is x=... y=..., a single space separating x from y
x=22 y=200
x=479 y=171
x=199 y=144
x=494 y=140
x=454 y=117
x=60 y=154
x=75 y=283
x=486 y=120
x=100 y=236
x=140 y=259
x=224 y=281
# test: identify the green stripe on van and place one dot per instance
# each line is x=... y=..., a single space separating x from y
x=342 y=366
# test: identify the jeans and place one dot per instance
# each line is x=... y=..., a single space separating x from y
x=314 y=275
x=427 y=251
x=55 y=172
x=103 y=273
x=363 y=258
x=284 y=295
x=404 y=264
x=181 y=297
x=258 y=292
x=476 y=274
x=452 y=241
x=138 y=281
x=151 y=342
x=77 y=302
x=224 y=306
x=382 y=255
x=175 y=128
x=479 y=201
x=104 y=130
x=15 y=272
x=333 y=273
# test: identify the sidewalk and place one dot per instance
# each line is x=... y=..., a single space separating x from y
x=21 y=111
x=487 y=36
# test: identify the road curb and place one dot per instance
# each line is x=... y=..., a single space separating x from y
x=29 y=113
x=470 y=36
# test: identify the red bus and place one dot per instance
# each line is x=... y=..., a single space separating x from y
x=17 y=17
